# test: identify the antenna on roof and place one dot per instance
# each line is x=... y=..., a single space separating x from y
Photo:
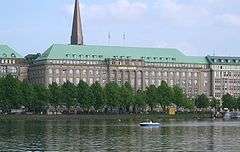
x=109 y=38
x=214 y=53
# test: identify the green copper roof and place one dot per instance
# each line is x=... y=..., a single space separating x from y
x=7 y=52
x=90 y=52
x=223 y=60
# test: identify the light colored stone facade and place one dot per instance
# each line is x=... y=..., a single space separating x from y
x=15 y=67
x=193 y=78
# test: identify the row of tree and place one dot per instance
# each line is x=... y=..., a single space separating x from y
x=15 y=94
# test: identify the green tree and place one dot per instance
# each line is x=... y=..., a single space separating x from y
x=41 y=100
x=228 y=101
x=179 y=98
x=10 y=93
x=165 y=95
x=214 y=103
x=55 y=94
x=69 y=92
x=98 y=96
x=202 y=101
x=237 y=103
x=127 y=96
x=151 y=96
x=139 y=101
x=84 y=95
x=28 y=96
x=112 y=96
x=189 y=104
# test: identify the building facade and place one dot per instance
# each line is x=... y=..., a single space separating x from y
x=12 y=63
x=225 y=75
x=141 y=67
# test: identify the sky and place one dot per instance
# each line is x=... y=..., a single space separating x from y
x=196 y=27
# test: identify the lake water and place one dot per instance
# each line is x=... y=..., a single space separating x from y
x=115 y=133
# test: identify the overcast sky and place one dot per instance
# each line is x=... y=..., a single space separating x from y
x=197 y=27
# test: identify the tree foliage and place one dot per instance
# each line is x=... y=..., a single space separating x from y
x=228 y=101
x=15 y=94
x=202 y=101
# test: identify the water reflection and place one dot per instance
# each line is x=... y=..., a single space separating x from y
x=102 y=133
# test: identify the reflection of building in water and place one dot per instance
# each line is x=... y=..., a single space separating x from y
x=141 y=67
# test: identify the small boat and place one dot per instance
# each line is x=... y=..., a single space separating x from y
x=149 y=124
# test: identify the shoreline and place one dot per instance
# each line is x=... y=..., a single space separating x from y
x=182 y=116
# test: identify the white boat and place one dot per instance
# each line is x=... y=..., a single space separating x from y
x=149 y=124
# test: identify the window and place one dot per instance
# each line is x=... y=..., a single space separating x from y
x=57 y=71
x=183 y=74
x=165 y=74
x=147 y=82
x=77 y=71
x=13 y=55
x=91 y=72
x=50 y=80
x=153 y=73
x=146 y=73
x=50 y=71
x=71 y=80
x=97 y=72
x=57 y=80
x=77 y=81
x=152 y=82
x=139 y=82
x=70 y=71
x=91 y=81
x=195 y=82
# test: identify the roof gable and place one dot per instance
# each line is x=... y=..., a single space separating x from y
x=7 y=52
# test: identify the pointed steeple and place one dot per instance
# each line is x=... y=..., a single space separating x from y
x=77 y=35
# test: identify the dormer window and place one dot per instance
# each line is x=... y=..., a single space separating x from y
x=13 y=55
x=4 y=55
x=74 y=55
x=67 y=55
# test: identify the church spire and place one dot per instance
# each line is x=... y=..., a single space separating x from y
x=77 y=35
